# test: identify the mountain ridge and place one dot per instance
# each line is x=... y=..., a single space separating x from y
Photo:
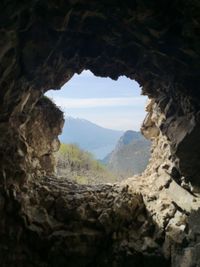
x=130 y=156
x=90 y=136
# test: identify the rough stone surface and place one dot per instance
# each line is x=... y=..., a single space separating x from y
x=151 y=220
x=41 y=133
x=60 y=222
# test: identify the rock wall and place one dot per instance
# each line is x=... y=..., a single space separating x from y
x=41 y=134
x=172 y=201
x=148 y=220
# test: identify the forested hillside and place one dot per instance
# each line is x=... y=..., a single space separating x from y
x=80 y=166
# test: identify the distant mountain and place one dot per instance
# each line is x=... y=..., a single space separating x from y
x=89 y=136
x=130 y=155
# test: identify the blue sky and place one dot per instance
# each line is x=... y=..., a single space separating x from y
x=111 y=104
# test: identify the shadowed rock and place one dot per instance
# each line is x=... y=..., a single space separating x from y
x=50 y=222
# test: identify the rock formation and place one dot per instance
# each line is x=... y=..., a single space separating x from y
x=153 y=221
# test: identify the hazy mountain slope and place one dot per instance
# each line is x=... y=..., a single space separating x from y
x=130 y=155
x=89 y=136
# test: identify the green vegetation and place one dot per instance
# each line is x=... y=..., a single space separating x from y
x=80 y=166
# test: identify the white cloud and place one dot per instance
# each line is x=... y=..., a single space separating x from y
x=99 y=102
x=120 y=123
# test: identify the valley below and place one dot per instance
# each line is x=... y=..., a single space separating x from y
x=91 y=154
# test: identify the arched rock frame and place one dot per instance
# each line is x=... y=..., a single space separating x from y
x=42 y=45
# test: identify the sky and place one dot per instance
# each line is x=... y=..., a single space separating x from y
x=108 y=103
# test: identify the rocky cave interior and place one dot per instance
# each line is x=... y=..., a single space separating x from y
x=149 y=220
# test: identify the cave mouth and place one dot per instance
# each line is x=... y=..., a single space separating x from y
x=48 y=222
x=101 y=140
x=146 y=42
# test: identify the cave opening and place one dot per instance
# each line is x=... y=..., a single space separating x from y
x=149 y=221
x=101 y=140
